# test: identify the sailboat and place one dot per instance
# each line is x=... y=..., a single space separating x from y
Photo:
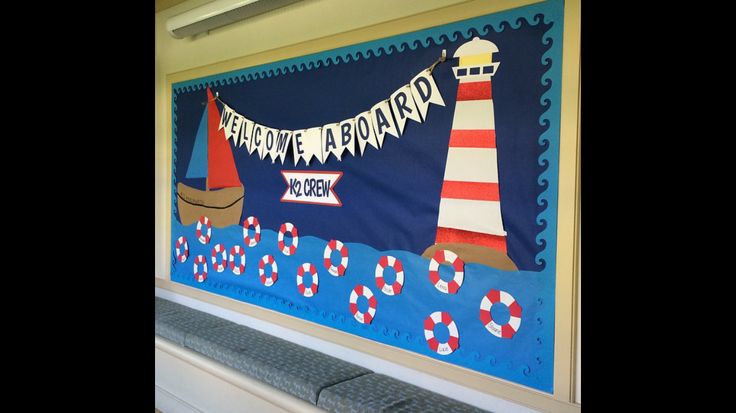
x=222 y=198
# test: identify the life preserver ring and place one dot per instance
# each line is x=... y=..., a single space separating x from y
x=237 y=250
x=434 y=271
x=334 y=245
x=445 y=318
x=219 y=249
x=203 y=220
x=309 y=268
x=200 y=276
x=251 y=242
x=395 y=263
x=182 y=256
x=512 y=326
x=362 y=290
x=270 y=280
x=291 y=229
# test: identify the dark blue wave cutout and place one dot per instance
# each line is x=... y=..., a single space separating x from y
x=546 y=103
x=472 y=33
x=546 y=63
x=503 y=26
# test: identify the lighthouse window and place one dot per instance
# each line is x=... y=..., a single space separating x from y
x=462 y=72
x=487 y=69
x=474 y=70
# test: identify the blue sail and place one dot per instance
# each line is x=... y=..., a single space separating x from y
x=198 y=162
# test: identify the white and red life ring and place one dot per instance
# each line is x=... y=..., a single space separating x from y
x=240 y=268
x=307 y=268
x=251 y=242
x=393 y=262
x=291 y=229
x=219 y=249
x=182 y=256
x=512 y=326
x=441 y=317
x=203 y=220
x=200 y=276
x=362 y=290
x=434 y=271
x=270 y=280
x=335 y=245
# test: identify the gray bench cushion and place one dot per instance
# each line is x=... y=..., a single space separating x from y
x=326 y=381
x=379 y=393
x=164 y=307
x=292 y=368
x=176 y=323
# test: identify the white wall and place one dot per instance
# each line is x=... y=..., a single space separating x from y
x=296 y=23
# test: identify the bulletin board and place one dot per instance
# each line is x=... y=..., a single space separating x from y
x=404 y=190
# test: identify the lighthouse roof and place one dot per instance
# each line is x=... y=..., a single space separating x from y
x=475 y=47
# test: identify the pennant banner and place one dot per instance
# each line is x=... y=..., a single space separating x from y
x=388 y=116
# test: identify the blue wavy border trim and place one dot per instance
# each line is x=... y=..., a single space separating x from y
x=550 y=11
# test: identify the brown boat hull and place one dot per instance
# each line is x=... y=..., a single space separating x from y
x=474 y=253
x=223 y=206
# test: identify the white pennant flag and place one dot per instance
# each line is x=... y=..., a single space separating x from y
x=250 y=131
x=403 y=107
x=425 y=91
x=364 y=131
x=297 y=143
x=270 y=144
x=259 y=139
x=226 y=117
x=347 y=135
x=244 y=134
x=231 y=122
x=307 y=143
x=282 y=144
x=332 y=142
x=312 y=144
x=383 y=121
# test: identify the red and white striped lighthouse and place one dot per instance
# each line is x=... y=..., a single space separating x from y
x=470 y=204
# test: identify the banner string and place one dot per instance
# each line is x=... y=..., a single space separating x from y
x=442 y=58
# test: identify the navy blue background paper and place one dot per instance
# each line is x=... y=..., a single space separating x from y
x=390 y=196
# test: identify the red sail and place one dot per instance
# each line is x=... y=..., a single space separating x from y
x=220 y=164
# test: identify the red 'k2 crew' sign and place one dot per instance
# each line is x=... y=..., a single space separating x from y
x=313 y=187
